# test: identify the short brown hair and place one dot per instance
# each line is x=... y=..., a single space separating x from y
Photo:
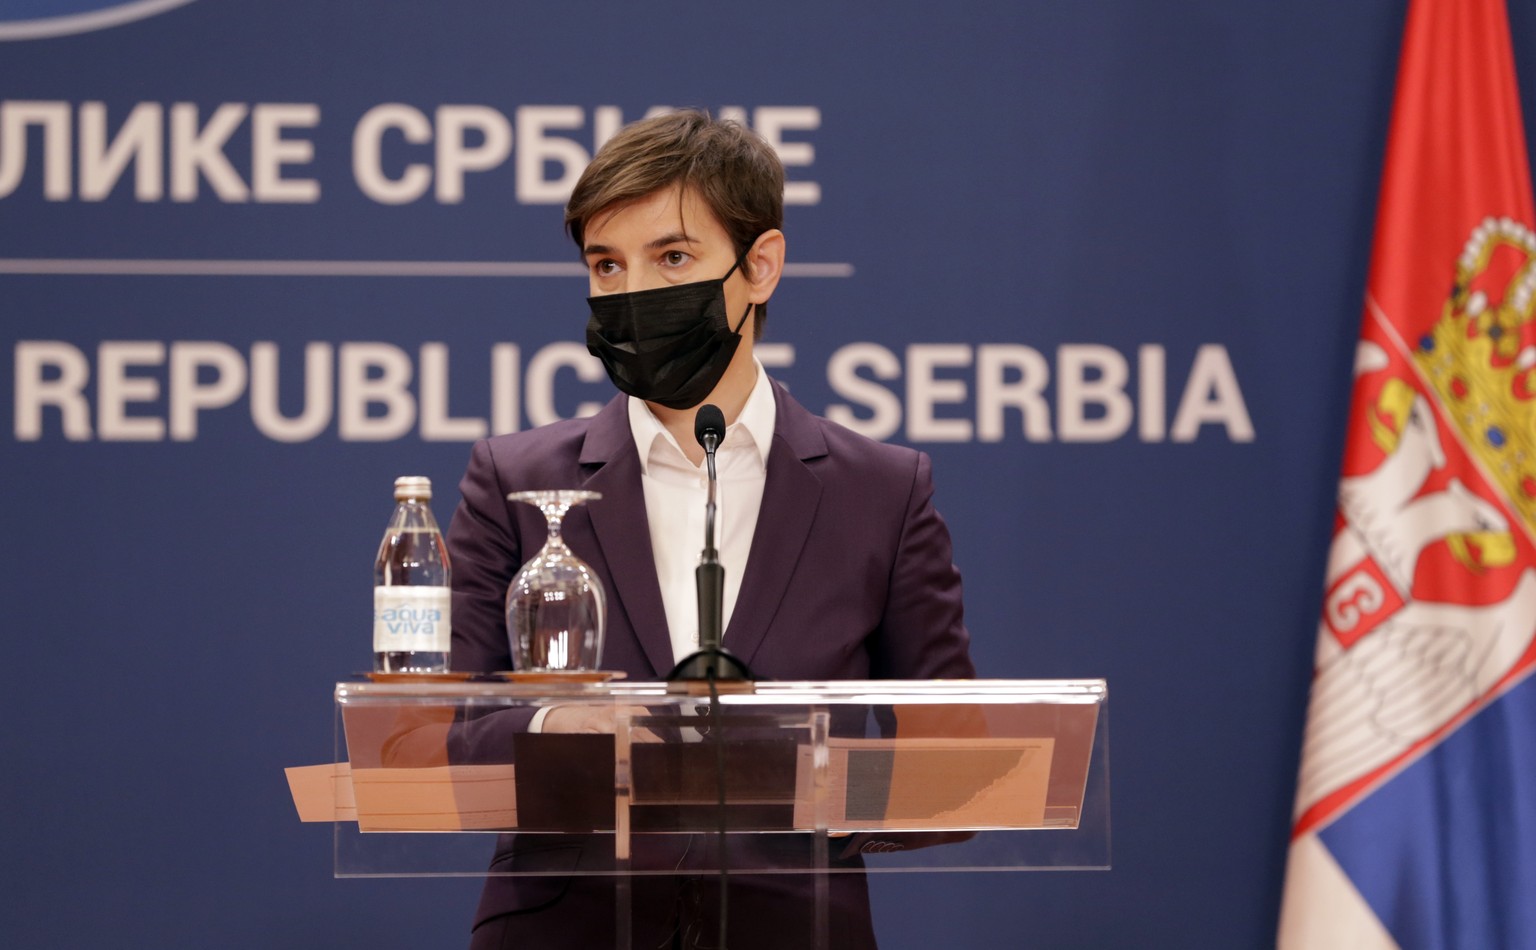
x=737 y=174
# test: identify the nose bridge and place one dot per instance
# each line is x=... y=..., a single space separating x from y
x=642 y=277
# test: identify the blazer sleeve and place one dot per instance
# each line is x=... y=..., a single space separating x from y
x=485 y=551
x=922 y=631
x=922 y=636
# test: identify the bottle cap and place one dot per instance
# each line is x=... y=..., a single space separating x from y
x=413 y=488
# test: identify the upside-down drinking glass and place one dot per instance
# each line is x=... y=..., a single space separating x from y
x=555 y=608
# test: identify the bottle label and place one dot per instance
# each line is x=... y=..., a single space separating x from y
x=411 y=619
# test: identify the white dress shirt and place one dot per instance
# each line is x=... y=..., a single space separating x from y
x=675 y=493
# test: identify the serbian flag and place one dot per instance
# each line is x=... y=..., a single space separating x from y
x=1415 y=820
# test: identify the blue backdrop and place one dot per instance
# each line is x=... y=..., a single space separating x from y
x=1103 y=261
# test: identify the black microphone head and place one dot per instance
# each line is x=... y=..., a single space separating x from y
x=709 y=420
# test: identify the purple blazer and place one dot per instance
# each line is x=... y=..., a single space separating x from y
x=850 y=574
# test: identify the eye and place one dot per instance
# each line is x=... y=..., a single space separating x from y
x=675 y=258
x=606 y=267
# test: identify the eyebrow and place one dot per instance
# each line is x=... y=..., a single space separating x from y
x=676 y=237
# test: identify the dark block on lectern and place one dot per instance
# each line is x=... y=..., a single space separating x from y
x=564 y=782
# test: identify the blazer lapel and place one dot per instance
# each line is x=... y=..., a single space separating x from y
x=622 y=531
x=791 y=494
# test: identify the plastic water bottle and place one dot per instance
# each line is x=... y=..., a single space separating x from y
x=411 y=598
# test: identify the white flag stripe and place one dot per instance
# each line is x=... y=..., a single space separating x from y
x=1322 y=908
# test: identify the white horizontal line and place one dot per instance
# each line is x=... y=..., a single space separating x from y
x=71 y=23
x=211 y=268
x=818 y=270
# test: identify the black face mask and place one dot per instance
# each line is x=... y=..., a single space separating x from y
x=668 y=345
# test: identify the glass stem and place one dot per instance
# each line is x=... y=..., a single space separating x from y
x=554 y=514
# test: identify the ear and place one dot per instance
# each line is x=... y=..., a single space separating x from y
x=766 y=259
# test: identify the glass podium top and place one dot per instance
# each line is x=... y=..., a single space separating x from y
x=445 y=775
x=514 y=688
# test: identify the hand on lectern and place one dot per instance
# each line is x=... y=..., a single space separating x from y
x=597 y=718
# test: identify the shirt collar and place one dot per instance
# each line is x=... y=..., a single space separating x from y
x=755 y=423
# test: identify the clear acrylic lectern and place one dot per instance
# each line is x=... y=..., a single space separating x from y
x=769 y=778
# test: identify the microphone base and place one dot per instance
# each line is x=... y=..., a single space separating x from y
x=717 y=664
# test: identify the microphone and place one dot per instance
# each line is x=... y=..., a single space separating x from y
x=710 y=661
x=709 y=429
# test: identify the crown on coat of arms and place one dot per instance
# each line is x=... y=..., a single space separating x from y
x=1480 y=356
